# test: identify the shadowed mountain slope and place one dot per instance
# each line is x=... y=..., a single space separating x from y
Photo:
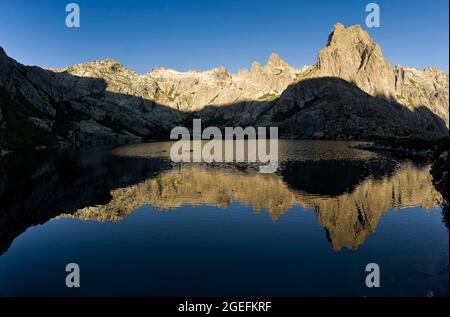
x=351 y=92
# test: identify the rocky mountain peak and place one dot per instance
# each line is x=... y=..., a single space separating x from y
x=117 y=103
x=110 y=65
x=274 y=61
x=97 y=68
x=256 y=66
x=351 y=35
x=352 y=55
x=221 y=73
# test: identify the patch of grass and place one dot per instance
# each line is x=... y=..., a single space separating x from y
x=268 y=97
x=310 y=73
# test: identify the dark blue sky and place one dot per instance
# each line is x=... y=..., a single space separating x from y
x=200 y=34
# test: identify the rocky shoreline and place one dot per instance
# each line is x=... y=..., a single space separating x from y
x=439 y=171
x=406 y=152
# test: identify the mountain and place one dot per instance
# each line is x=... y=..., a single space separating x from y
x=351 y=92
x=352 y=55
x=193 y=90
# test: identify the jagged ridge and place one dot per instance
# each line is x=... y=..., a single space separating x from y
x=102 y=102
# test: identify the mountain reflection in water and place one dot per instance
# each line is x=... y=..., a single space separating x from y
x=348 y=217
x=348 y=189
x=311 y=232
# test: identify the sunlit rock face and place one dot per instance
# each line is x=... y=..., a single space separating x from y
x=428 y=87
x=351 y=89
x=352 y=55
x=192 y=90
x=347 y=218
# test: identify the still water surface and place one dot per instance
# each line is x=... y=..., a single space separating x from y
x=139 y=225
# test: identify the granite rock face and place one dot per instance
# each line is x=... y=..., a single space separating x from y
x=423 y=88
x=352 y=55
x=48 y=108
x=332 y=108
x=351 y=92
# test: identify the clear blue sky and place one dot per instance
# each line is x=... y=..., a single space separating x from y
x=200 y=34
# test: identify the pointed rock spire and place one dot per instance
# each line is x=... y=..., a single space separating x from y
x=352 y=55
x=275 y=61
